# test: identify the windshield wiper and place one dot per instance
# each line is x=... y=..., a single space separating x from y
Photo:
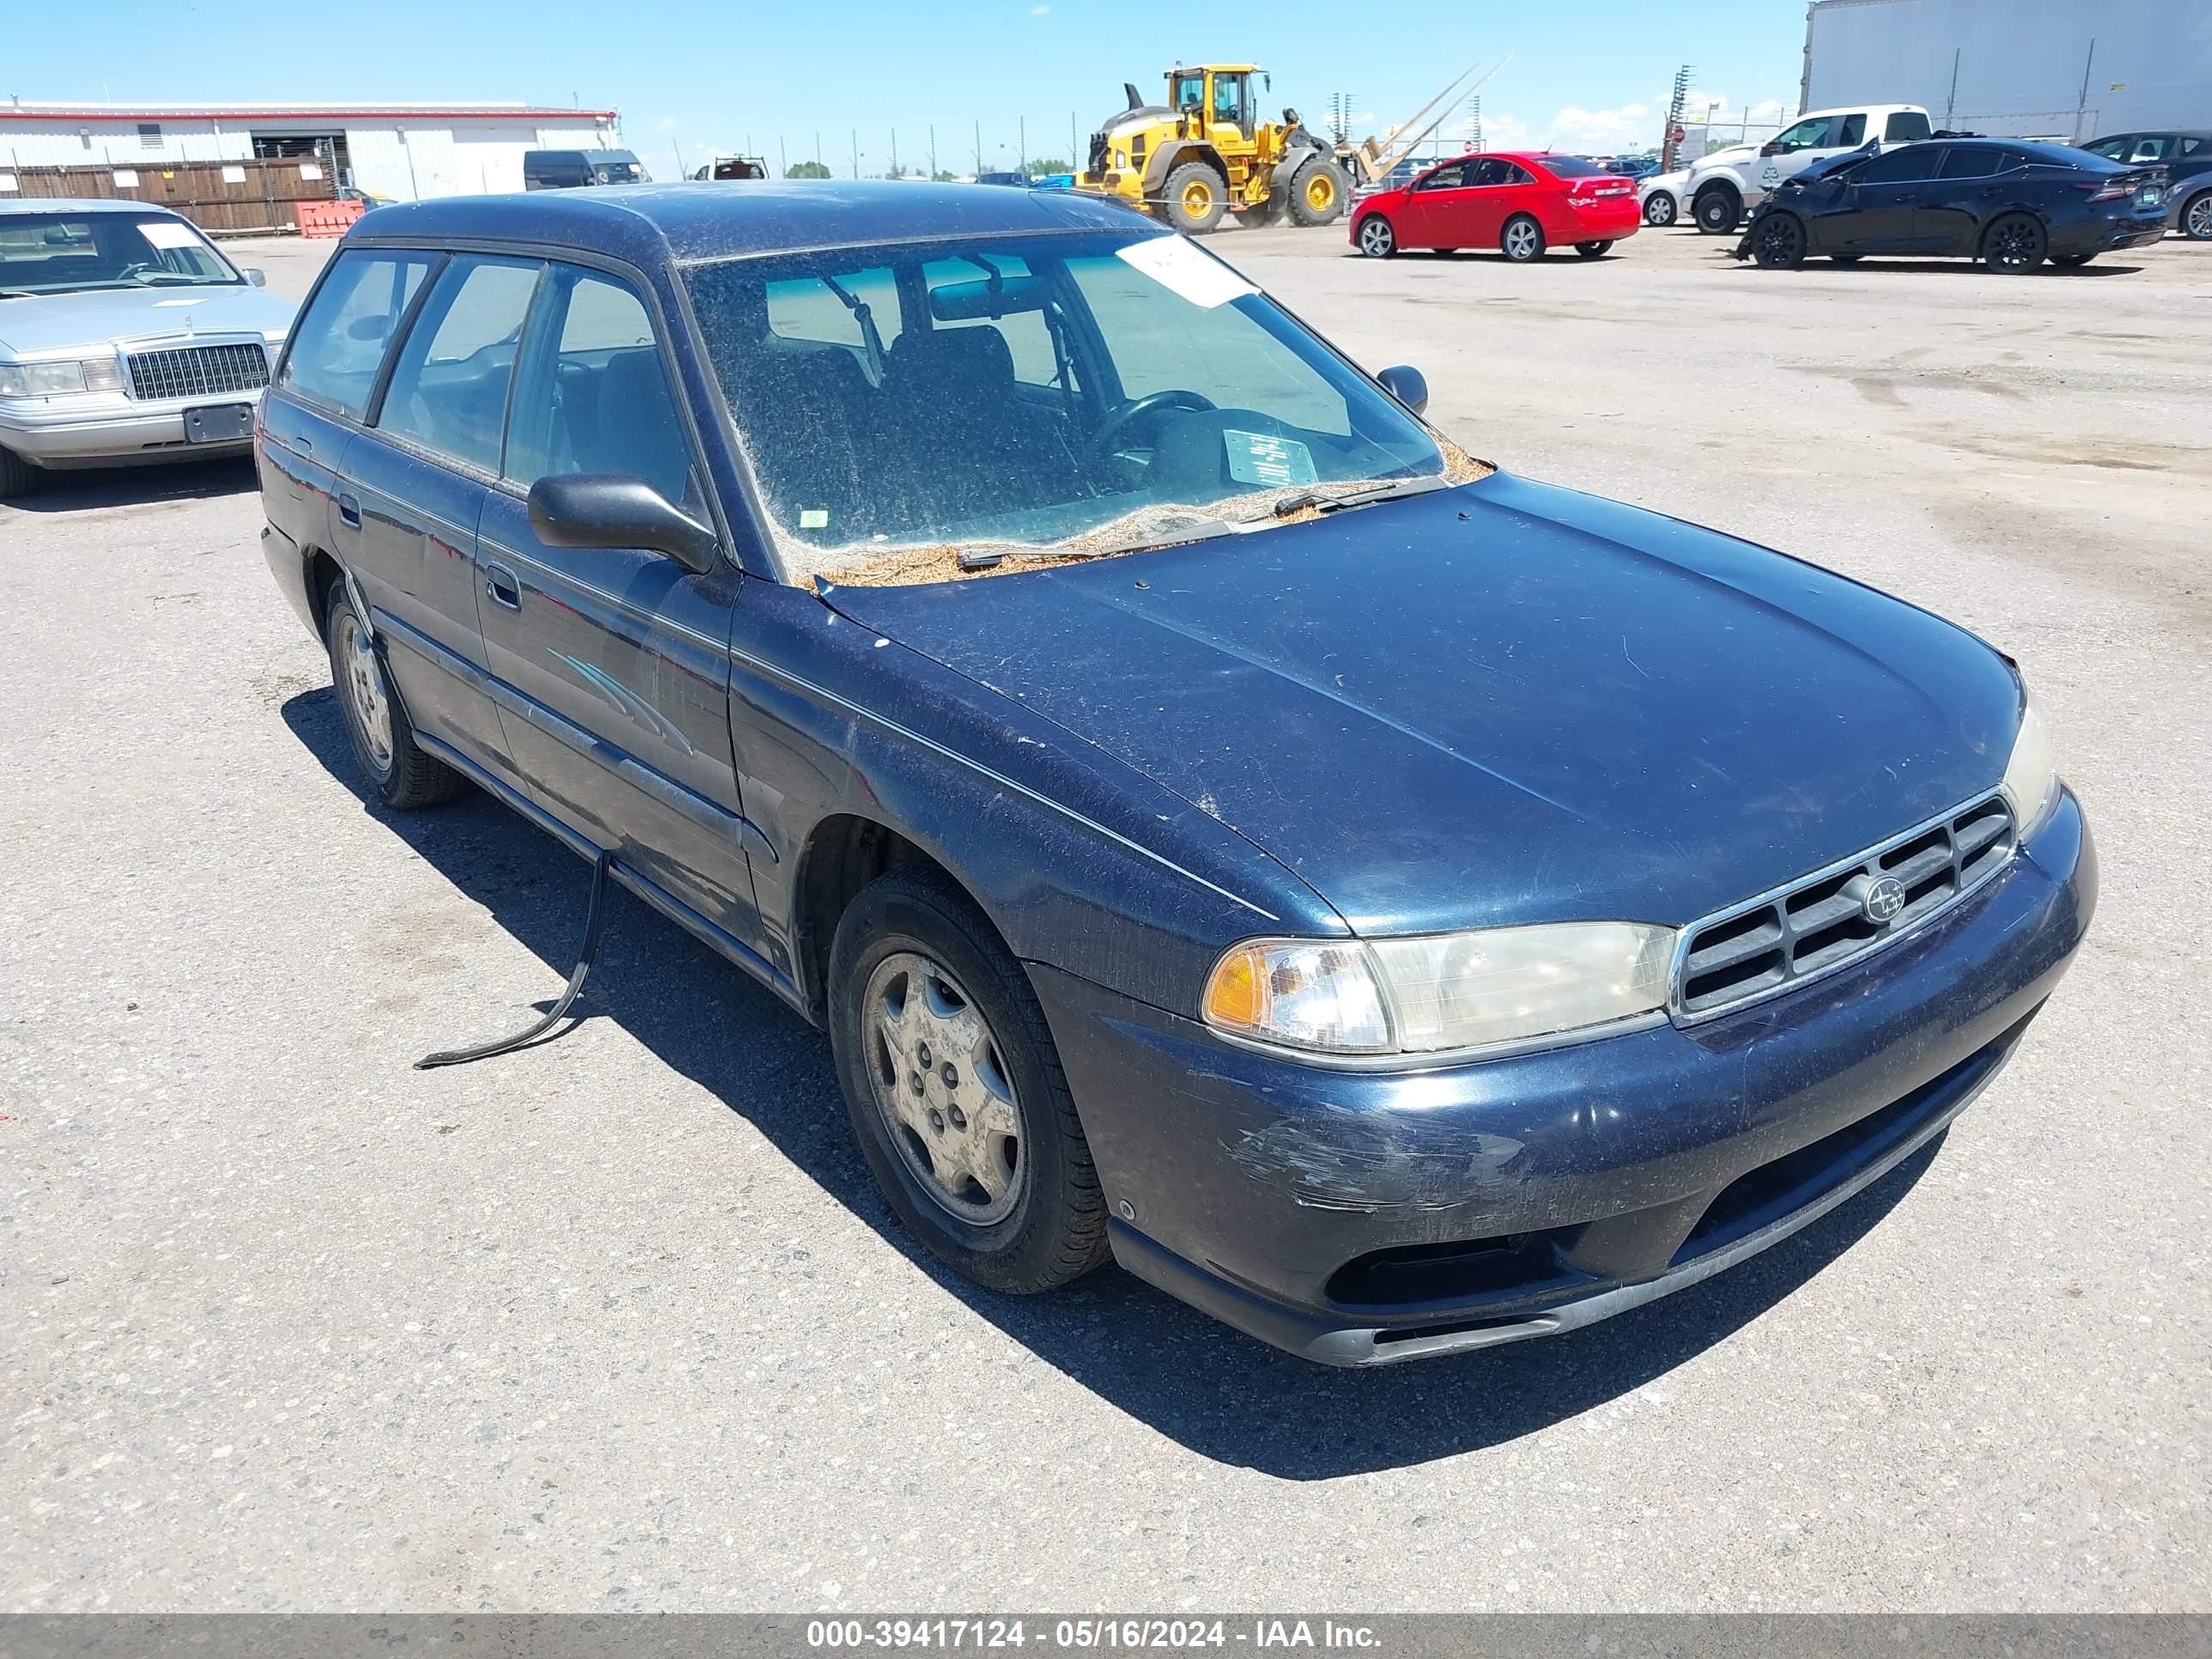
x=1196 y=530
x=1320 y=501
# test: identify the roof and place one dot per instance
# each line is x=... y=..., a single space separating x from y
x=41 y=114
x=22 y=204
x=690 y=221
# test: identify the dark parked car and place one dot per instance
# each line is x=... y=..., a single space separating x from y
x=574 y=169
x=1395 y=906
x=2187 y=158
x=2011 y=204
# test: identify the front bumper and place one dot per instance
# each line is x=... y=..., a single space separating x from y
x=1362 y=1218
x=110 y=431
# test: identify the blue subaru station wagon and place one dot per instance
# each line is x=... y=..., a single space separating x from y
x=1397 y=907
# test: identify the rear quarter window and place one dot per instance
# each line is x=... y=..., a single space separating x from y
x=338 y=345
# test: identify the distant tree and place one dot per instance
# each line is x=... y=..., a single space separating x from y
x=1050 y=164
x=806 y=170
x=944 y=176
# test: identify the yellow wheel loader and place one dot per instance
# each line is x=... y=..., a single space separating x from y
x=1205 y=152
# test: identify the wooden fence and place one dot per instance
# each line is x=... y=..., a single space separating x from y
x=220 y=197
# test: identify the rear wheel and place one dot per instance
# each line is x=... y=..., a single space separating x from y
x=1718 y=210
x=1318 y=193
x=1377 y=239
x=2015 y=244
x=955 y=1091
x=403 y=776
x=2196 y=217
x=1778 y=242
x=1659 y=209
x=1522 y=240
x=1195 y=197
x=17 y=476
x=1592 y=250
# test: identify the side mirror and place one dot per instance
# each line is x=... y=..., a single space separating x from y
x=618 y=510
x=257 y=276
x=1770 y=149
x=1407 y=386
x=369 y=328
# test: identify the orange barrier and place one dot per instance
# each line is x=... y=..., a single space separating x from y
x=327 y=218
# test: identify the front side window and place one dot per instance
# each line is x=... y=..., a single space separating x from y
x=448 y=388
x=338 y=345
x=1451 y=176
x=1190 y=92
x=2154 y=148
x=58 y=252
x=2110 y=148
x=1065 y=391
x=594 y=396
x=1899 y=165
x=1809 y=134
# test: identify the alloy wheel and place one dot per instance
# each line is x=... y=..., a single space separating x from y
x=365 y=693
x=2015 y=243
x=2198 y=221
x=1781 y=241
x=943 y=1089
x=1522 y=240
x=1376 y=240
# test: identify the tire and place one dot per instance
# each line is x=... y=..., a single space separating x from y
x=1779 y=242
x=1377 y=239
x=2015 y=244
x=1718 y=210
x=1522 y=241
x=1659 y=210
x=1847 y=258
x=1194 y=198
x=1318 y=193
x=2071 y=260
x=18 y=477
x=1593 y=250
x=384 y=745
x=2195 y=220
x=911 y=942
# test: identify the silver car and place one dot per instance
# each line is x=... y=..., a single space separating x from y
x=124 y=336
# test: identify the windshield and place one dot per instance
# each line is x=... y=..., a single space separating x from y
x=55 y=252
x=1060 y=393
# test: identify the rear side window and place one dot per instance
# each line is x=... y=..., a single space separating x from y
x=594 y=397
x=1853 y=133
x=338 y=346
x=2195 y=146
x=1573 y=167
x=448 y=390
x=1904 y=127
x=1972 y=162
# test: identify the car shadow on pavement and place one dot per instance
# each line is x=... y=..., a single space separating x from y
x=1224 y=1395
x=82 y=491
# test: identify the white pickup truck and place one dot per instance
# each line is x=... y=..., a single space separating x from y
x=1727 y=184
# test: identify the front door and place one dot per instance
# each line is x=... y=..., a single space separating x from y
x=1433 y=207
x=414 y=484
x=611 y=666
x=1884 y=195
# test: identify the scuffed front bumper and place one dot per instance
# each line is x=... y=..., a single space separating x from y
x=1362 y=1218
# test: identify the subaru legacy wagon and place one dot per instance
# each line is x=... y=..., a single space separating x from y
x=1223 y=826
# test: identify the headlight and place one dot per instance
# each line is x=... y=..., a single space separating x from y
x=52 y=379
x=1441 y=992
x=2031 y=777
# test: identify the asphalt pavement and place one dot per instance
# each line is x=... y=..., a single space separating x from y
x=619 y=1323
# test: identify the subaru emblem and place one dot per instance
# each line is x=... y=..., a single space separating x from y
x=1883 y=898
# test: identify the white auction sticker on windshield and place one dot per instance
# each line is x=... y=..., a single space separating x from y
x=1255 y=458
x=1176 y=264
x=163 y=232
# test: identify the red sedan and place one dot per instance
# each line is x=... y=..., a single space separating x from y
x=1518 y=203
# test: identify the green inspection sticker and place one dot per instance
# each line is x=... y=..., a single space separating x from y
x=814 y=518
x=1256 y=459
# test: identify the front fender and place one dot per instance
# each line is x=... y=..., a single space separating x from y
x=1079 y=861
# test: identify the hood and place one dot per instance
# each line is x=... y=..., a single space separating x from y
x=1725 y=158
x=106 y=316
x=1500 y=704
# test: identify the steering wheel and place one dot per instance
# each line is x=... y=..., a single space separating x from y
x=1130 y=410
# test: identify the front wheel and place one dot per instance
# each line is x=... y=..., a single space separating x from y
x=1377 y=239
x=1522 y=240
x=1318 y=193
x=17 y=476
x=1659 y=209
x=955 y=1091
x=1592 y=250
x=1778 y=242
x=1195 y=195
x=2015 y=244
x=1718 y=212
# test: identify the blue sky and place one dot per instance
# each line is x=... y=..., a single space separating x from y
x=714 y=75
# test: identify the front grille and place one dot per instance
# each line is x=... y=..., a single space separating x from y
x=204 y=371
x=1821 y=921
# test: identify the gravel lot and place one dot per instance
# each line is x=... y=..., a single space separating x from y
x=619 y=1323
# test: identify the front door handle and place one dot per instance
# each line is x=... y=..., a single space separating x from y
x=500 y=586
x=350 y=512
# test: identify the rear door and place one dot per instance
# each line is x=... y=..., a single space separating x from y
x=611 y=666
x=415 y=486
x=1968 y=187
x=1518 y=190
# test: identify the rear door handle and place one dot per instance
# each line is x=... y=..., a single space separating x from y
x=500 y=586
x=349 y=511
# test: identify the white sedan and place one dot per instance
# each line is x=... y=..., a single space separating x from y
x=1660 y=196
